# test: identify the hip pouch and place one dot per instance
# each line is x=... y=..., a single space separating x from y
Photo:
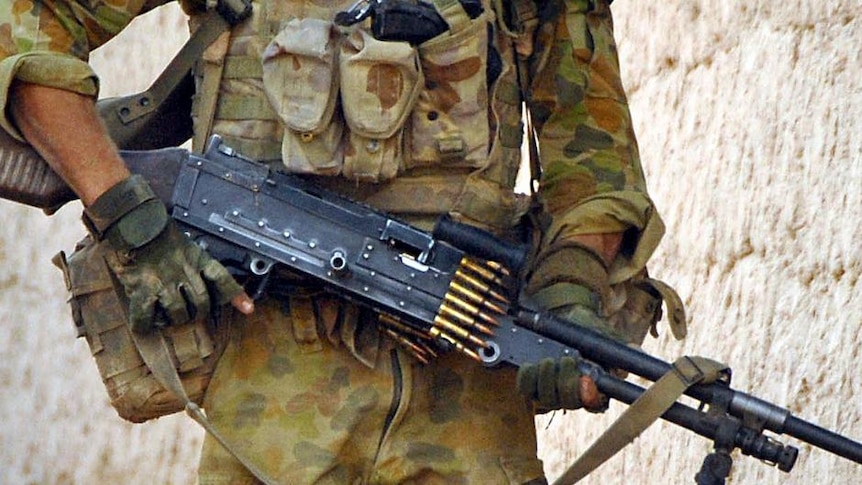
x=100 y=316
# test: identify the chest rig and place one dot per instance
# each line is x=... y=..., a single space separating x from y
x=416 y=130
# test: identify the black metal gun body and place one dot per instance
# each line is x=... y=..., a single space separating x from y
x=256 y=220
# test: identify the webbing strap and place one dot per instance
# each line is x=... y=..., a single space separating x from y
x=231 y=107
x=156 y=355
x=686 y=372
x=675 y=308
x=211 y=69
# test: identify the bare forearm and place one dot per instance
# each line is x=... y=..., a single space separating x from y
x=65 y=128
x=606 y=245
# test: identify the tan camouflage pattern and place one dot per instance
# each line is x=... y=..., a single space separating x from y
x=304 y=411
x=450 y=122
x=592 y=181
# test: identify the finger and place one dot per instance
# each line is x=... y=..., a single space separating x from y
x=142 y=313
x=591 y=398
x=195 y=284
x=243 y=303
x=569 y=384
x=197 y=302
x=547 y=384
x=174 y=305
x=220 y=282
x=526 y=380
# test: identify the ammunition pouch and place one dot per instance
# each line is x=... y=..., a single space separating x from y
x=101 y=317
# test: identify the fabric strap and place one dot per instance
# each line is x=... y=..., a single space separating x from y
x=155 y=353
x=211 y=68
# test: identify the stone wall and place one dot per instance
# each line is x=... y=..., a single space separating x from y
x=748 y=115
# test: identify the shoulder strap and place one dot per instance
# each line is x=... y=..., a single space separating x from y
x=155 y=354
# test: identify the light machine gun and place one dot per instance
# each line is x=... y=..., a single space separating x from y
x=450 y=289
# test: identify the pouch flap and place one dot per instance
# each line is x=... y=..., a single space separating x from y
x=380 y=82
x=299 y=78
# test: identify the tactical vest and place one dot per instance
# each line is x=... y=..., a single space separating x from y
x=417 y=131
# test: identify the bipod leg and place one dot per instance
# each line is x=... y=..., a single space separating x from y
x=715 y=469
x=717 y=465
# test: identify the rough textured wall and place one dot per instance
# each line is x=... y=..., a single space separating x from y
x=748 y=115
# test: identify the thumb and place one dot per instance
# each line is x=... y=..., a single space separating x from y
x=243 y=303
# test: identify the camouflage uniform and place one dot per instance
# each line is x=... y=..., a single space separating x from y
x=306 y=387
x=338 y=422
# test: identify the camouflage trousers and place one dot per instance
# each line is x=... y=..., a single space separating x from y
x=305 y=410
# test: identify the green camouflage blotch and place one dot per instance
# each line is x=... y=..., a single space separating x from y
x=360 y=400
x=588 y=140
x=249 y=411
x=311 y=455
x=279 y=365
x=423 y=452
x=447 y=388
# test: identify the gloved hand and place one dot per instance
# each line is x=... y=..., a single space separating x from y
x=552 y=383
x=571 y=281
x=167 y=278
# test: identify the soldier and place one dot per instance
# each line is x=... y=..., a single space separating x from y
x=307 y=389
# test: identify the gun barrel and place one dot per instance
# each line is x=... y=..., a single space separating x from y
x=823 y=438
x=612 y=354
x=751 y=443
x=479 y=243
